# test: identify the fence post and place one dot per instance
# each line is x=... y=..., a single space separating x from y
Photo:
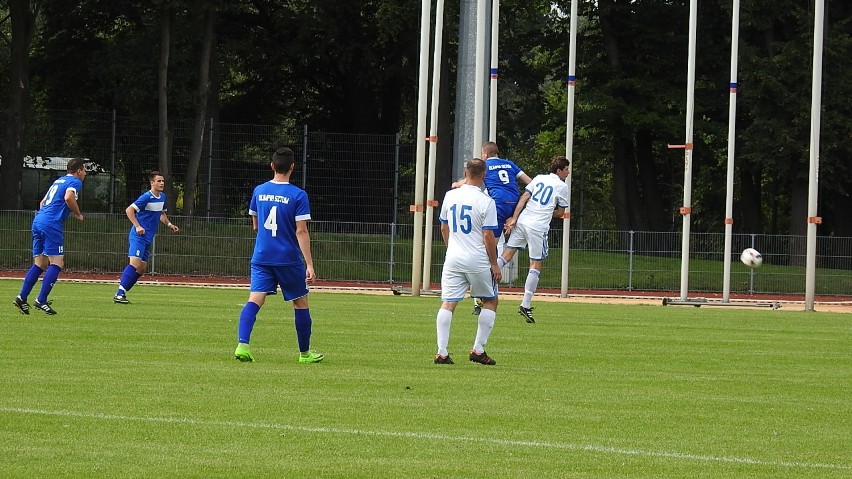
x=395 y=203
x=630 y=262
x=305 y=157
x=152 y=270
x=112 y=166
x=751 y=271
x=209 y=167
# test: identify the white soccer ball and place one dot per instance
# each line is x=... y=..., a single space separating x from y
x=751 y=258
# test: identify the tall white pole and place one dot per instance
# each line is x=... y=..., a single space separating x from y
x=420 y=167
x=686 y=209
x=433 y=142
x=479 y=80
x=732 y=124
x=495 y=40
x=813 y=175
x=569 y=146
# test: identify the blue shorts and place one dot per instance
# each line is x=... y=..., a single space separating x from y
x=139 y=247
x=504 y=212
x=47 y=240
x=266 y=279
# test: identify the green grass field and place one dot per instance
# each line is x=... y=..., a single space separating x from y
x=590 y=391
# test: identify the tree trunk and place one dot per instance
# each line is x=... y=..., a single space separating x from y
x=200 y=113
x=656 y=213
x=15 y=145
x=798 y=222
x=749 y=204
x=164 y=143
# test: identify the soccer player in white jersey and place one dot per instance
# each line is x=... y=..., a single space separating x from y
x=545 y=198
x=469 y=228
x=282 y=255
x=145 y=214
x=48 y=230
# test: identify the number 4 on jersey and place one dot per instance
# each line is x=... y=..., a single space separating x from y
x=271 y=222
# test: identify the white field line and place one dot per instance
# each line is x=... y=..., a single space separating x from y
x=433 y=437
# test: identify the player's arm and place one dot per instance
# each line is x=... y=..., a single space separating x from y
x=510 y=223
x=304 y=239
x=165 y=220
x=460 y=182
x=130 y=211
x=558 y=212
x=524 y=178
x=71 y=201
x=491 y=248
x=445 y=232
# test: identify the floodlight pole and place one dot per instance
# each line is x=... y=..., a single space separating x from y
x=420 y=168
x=479 y=80
x=686 y=209
x=495 y=37
x=569 y=147
x=813 y=175
x=732 y=123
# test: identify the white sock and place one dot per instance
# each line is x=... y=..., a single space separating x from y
x=501 y=262
x=442 y=321
x=486 y=324
x=530 y=287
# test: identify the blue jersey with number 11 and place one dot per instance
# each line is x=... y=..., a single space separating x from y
x=278 y=206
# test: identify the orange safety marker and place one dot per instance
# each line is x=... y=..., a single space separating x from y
x=815 y=220
x=685 y=211
x=415 y=208
x=687 y=146
x=432 y=203
x=729 y=221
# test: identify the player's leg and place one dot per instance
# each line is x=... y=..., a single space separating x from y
x=294 y=288
x=262 y=282
x=484 y=287
x=454 y=285
x=55 y=251
x=137 y=254
x=538 y=251
x=40 y=264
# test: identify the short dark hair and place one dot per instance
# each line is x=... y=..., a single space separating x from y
x=475 y=167
x=75 y=165
x=153 y=174
x=283 y=159
x=558 y=163
x=490 y=149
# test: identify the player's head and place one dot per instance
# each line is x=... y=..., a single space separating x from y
x=283 y=160
x=560 y=166
x=157 y=180
x=490 y=150
x=474 y=169
x=76 y=167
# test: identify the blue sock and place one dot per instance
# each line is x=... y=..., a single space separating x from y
x=247 y=318
x=50 y=277
x=30 y=280
x=303 y=329
x=128 y=278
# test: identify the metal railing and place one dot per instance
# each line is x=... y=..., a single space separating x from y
x=380 y=253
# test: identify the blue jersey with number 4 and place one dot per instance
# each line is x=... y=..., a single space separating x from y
x=54 y=209
x=278 y=206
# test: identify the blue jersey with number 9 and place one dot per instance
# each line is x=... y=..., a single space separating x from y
x=278 y=206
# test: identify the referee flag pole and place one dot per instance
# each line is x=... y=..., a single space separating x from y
x=686 y=209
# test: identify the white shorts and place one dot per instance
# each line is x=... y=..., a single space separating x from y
x=524 y=237
x=454 y=285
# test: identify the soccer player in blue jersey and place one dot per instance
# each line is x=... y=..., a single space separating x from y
x=58 y=203
x=468 y=226
x=282 y=255
x=146 y=213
